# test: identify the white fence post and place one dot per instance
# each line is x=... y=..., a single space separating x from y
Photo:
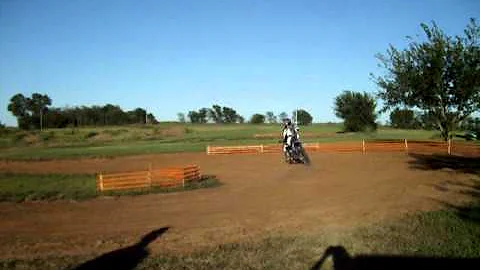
x=363 y=146
x=406 y=146
x=100 y=180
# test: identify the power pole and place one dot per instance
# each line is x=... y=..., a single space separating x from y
x=146 y=116
x=41 y=120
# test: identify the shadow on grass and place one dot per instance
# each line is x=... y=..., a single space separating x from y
x=471 y=165
x=344 y=261
x=438 y=162
x=126 y=258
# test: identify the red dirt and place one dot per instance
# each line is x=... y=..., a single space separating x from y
x=260 y=195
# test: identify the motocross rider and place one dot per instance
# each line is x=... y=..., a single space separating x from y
x=290 y=134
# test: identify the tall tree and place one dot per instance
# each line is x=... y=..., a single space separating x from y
x=181 y=117
x=357 y=110
x=303 y=117
x=151 y=119
x=29 y=111
x=240 y=119
x=215 y=114
x=403 y=118
x=282 y=116
x=257 y=119
x=194 y=117
x=203 y=115
x=229 y=115
x=271 y=118
x=439 y=75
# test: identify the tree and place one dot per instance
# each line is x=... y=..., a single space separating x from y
x=403 y=118
x=229 y=115
x=240 y=119
x=215 y=114
x=140 y=116
x=181 y=117
x=439 y=76
x=151 y=119
x=29 y=111
x=357 y=110
x=203 y=115
x=282 y=116
x=271 y=118
x=257 y=119
x=194 y=117
x=304 y=118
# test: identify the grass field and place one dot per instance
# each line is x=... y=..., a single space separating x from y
x=438 y=234
x=35 y=187
x=169 y=137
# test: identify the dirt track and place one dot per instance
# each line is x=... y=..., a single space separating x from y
x=260 y=195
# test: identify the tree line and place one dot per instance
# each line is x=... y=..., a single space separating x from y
x=226 y=115
x=431 y=84
x=35 y=112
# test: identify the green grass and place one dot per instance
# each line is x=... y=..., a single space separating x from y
x=439 y=234
x=168 y=137
x=32 y=187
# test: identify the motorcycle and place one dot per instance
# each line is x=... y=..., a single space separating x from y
x=296 y=154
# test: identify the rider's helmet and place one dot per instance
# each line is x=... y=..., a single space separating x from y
x=287 y=123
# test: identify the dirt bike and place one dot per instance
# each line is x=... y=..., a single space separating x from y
x=296 y=154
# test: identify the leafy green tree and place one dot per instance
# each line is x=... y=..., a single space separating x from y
x=257 y=119
x=271 y=118
x=194 y=117
x=304 y=118
x=181 y=117
x=240 y=119
x=215 y=114
x=282 y=116
x=439 y=76
x=151 y=119
x=357 y=110
x=229 y=115
x=404 y=118
x=29 y=111
x=203 y=115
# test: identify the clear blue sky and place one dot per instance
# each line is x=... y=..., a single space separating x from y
x=175 y=56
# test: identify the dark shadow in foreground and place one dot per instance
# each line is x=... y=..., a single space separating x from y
x=126 y=258
x=343 y=261
x=437 y=162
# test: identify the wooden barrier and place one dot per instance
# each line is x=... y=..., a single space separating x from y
x=364 y=146
x=167 y=177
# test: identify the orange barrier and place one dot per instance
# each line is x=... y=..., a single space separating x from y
x=167 y=177
x=363 y=146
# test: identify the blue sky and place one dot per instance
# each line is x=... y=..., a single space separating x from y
x=175 y=56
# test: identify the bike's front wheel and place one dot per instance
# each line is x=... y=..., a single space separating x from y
x=303 y=156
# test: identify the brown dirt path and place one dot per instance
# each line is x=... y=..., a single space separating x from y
x=260 y=195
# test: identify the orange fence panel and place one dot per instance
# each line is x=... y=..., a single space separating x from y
x=146 y=179
x=363 y=146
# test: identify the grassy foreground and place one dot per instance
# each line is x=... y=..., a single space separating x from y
x=439 y=234
x=169 y=137
x=33 y=187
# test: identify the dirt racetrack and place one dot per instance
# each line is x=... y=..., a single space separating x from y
x=260 y=195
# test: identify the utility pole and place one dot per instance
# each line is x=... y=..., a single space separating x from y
x=146 y=116
x=41 y=120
